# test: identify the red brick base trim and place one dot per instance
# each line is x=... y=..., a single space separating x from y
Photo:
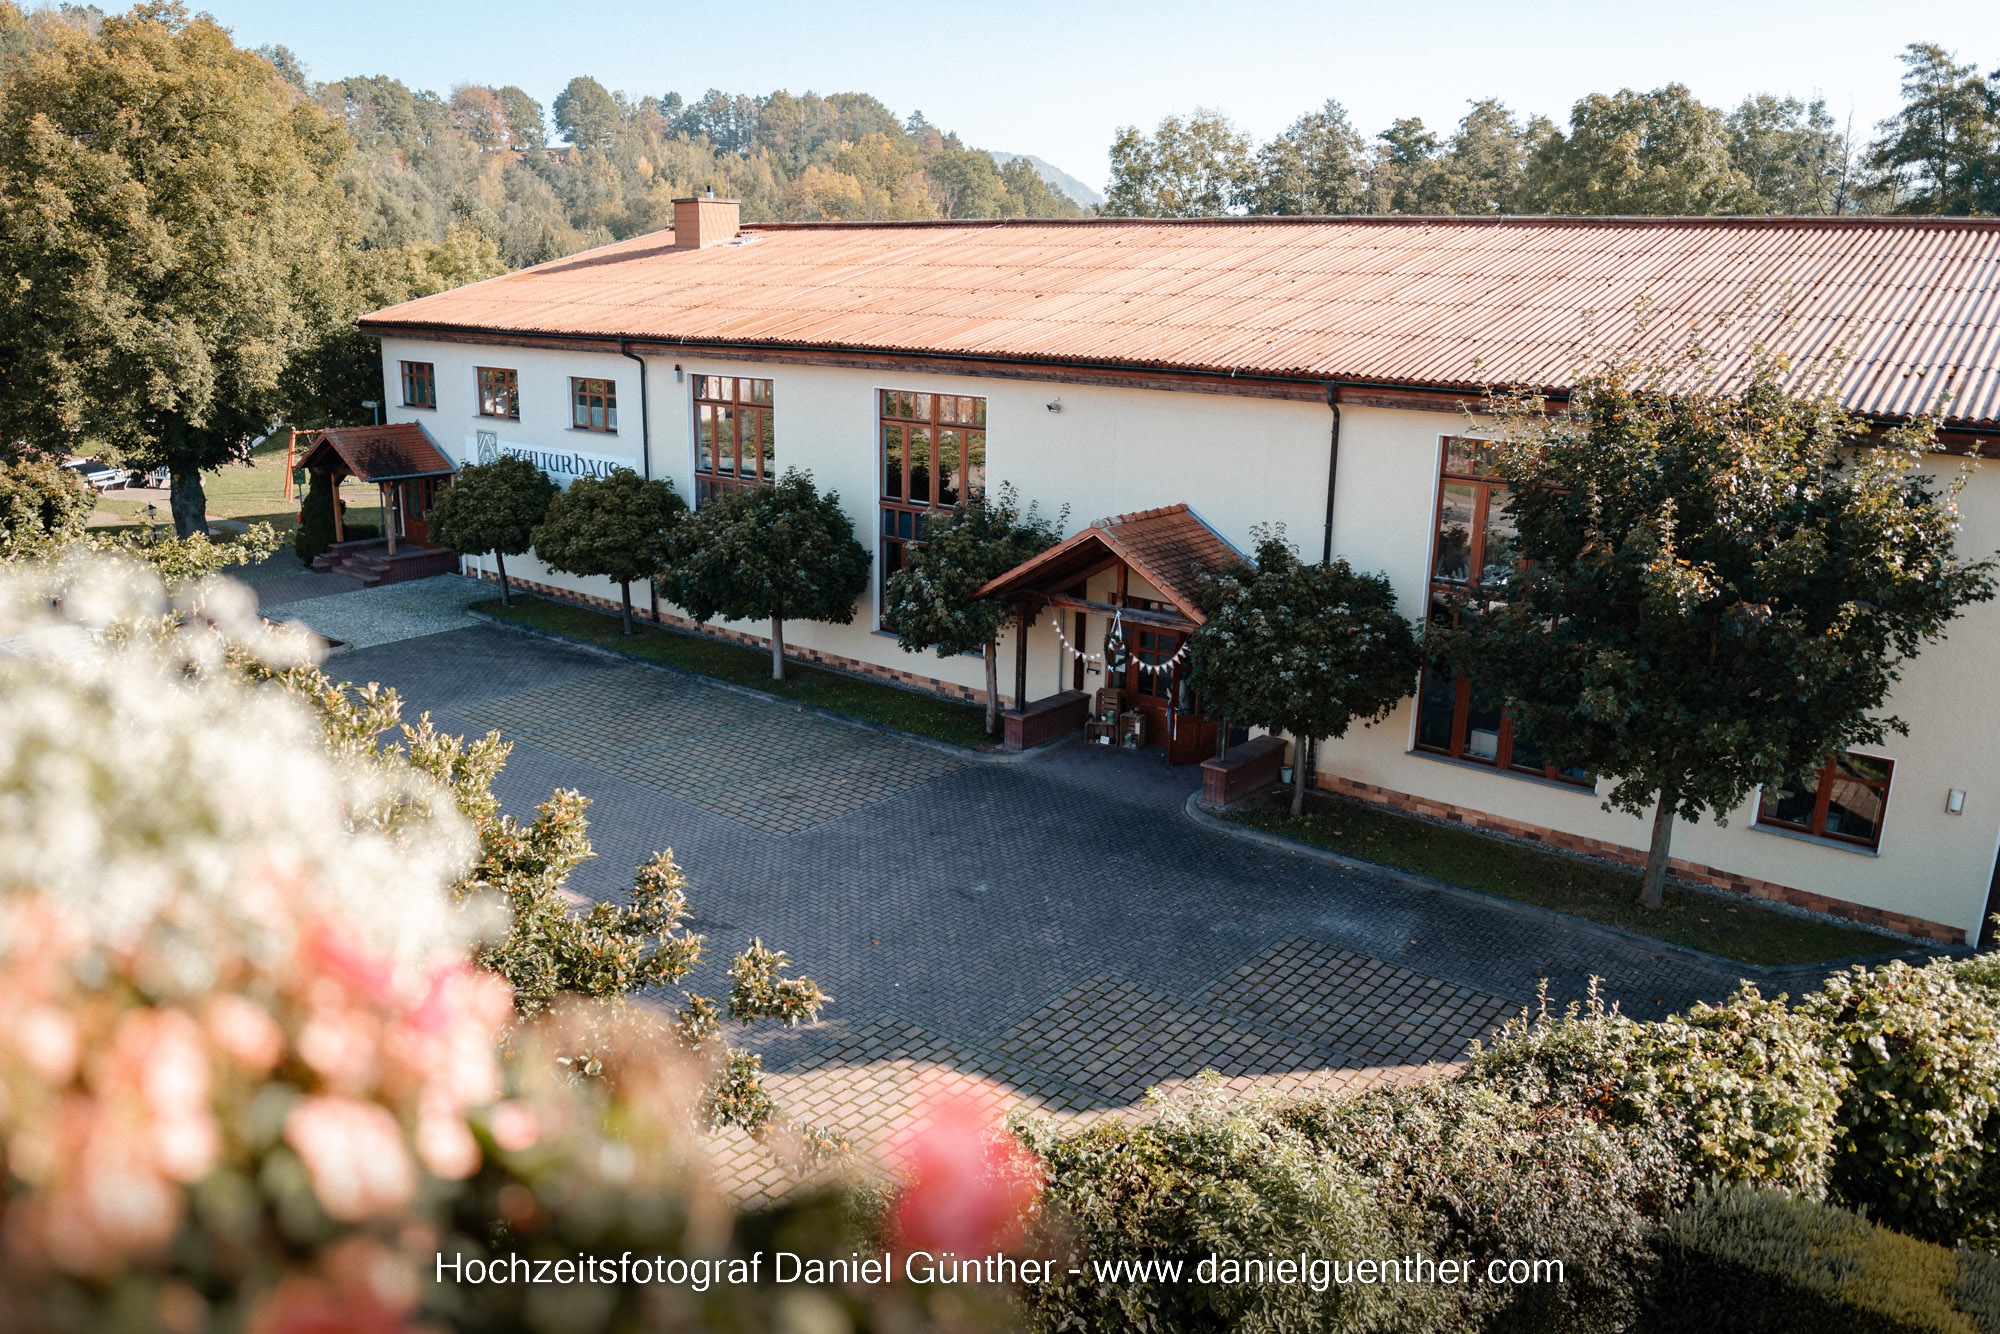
x=930 y=685
x=1710 y=876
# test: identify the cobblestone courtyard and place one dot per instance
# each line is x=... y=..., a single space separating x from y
x=1057 y=926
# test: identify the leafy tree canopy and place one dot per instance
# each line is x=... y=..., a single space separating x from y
x=931 y=603
x=616 y=526
x=783 y=551
x=1662 y=152
x=1715 y=590
x=1191 y=168
x=173 y=233
x=493 y=507
x=1941 y=151
x=1303 y=649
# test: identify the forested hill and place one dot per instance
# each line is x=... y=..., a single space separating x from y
x=600 y=166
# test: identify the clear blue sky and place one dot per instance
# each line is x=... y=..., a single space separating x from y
x=1057 y=78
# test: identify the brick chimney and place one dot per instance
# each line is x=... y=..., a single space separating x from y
x=705 y=221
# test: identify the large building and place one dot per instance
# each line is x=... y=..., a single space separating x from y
x=1233 y=372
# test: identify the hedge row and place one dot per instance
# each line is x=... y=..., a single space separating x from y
x=1651 y=1159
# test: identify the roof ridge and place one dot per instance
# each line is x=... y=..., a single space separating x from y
x=1136 y=515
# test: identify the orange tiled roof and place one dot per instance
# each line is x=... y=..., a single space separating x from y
x=1456 y=303
x=382 y=453
x=1170 y=548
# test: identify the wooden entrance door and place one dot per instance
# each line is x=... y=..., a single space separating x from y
x=1173 y=712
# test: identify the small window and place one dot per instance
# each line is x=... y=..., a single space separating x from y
x=419 y=385
x=593 y=404
x=499 y=393
x=1845 y=801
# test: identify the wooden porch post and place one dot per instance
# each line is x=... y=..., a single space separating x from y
x=1021 y=658
x=339 y=527
x=388 y=517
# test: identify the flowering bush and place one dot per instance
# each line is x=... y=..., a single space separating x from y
x=251 y=1078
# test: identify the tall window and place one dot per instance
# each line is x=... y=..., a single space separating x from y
x=593 y=404
x=734 y=446
x=499 y=393
x=1473 y=552
x=933 y=456
x=419 y=384
x=1845 y=801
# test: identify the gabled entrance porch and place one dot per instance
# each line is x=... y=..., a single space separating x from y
x=1125 y=596
x=408 y=471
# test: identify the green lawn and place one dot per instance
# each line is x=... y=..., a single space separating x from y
x=251 y=492
x=1746 y=931
x=870 y=701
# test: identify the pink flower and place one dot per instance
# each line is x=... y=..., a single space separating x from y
x=967 y=1182
x=46 y=1038
x=354 y=1153
x=245 y=1032
x=514 y=1127
x=446 y=1146
x=365 y=1289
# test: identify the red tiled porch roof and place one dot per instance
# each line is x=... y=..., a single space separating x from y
x=378 y=453
x=1170 y=548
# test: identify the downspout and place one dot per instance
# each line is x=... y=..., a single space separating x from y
x=1332 y=469
x=1306 y=756
x=646 y=452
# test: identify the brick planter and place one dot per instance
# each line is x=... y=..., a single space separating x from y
x=1045 y=720
x=1246 y=768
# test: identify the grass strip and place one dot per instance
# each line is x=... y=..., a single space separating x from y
x=1746 y=931
x=870 y=701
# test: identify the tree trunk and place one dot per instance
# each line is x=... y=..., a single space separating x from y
x=1301 y=758
x=777 y=648
x=993 y=686
x=625 y=606
x=1222 y=738
x=501 y=557
x=189 y=503
x=1654 y=885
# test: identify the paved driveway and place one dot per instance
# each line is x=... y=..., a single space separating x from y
x=1058 y=926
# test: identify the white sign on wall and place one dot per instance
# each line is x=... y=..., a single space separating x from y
x=559 y=465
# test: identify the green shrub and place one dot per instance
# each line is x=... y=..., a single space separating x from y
x=43 y=505
x=1743 y=1091
x=315 y=531
x=1917 y=1119
x=1744 y=1260
x=1211 y=1178
x=1461 y=1170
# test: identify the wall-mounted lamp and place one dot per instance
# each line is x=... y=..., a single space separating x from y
x=1055 y=405
x=1954 y=803
x=679 y=375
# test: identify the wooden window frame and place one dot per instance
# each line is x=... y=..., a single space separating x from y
x=744 y=409
x=583 y=399
x=902 y=520
x=1830 y=774
x=487 y=377
x=420 y=375
x=1485 y=487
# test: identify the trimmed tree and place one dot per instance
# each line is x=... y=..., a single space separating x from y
x=782 y=552
x=1712 y=592
x=493 y=507
x=615 y=526
x=1302 y=649
x=930 y=602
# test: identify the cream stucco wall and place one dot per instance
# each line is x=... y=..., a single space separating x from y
x=1240 y=462
x=1930 y=864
